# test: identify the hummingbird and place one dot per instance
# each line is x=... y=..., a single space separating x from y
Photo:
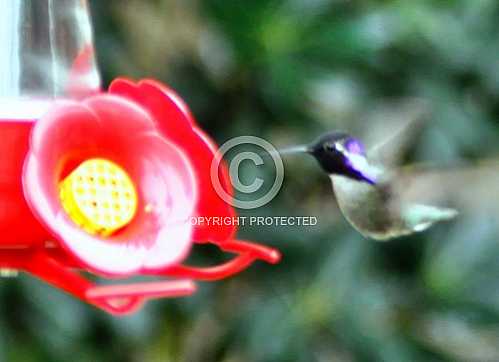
x=379 y=199
x=368 y=193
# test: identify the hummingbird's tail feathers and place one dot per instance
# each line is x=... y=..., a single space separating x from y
x=420 y=217
x=469 y=187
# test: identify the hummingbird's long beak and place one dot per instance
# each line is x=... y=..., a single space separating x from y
x=295 y=149
x=291 y=150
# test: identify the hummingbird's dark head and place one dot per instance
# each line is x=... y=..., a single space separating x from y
x=341 y=154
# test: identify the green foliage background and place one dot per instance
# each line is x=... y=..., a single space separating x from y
x=288 y=71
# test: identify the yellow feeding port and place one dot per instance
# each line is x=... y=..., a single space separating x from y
x=99 y=196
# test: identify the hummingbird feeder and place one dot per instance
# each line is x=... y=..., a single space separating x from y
x=102 y=182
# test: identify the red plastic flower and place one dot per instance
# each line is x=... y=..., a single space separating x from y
x=116 y=129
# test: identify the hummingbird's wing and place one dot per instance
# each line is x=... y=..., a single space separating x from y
x=391 y=129
x=468 y=188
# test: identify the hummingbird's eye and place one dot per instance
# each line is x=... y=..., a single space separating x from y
x=329 y=147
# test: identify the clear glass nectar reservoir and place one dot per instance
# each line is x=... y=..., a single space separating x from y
x=46 y=51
